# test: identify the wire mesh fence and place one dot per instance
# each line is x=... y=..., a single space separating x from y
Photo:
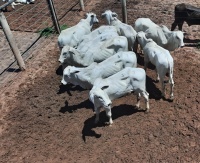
x=29 y=22
x=30 y=25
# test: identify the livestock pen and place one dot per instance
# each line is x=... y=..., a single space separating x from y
x=44 y=121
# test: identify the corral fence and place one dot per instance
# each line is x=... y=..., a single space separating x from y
x=32 y=27
x=23 y=29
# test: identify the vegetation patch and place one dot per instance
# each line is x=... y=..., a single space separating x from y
x=48 y=31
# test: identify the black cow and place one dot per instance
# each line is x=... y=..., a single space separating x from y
x=187 y=13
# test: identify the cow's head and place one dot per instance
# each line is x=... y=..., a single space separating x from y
x=64 y=53
x=99 y=97
x=109 y=16
x=178 y=39
x=69 y=73
x=92 y=17
x=68 y=55
x=141 y=38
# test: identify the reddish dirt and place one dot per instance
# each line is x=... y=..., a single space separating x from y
x=43 y=121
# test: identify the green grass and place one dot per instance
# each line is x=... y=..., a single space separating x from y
x=48 y=31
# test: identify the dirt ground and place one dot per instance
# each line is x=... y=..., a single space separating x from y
x=44 y=121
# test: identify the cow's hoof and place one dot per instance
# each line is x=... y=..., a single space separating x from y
x=171 y=98
x=137 y=107
x=108 y=123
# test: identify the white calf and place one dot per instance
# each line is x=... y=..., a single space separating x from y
x=85 y=77
x=160 y=57
x=73 y=35
x=122 y=28
x=96 y=53
x=167 y=39
x=125 y=81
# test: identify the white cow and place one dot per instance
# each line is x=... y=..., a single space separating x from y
x=174 y=39
x=142 y=24
x=169 y=40
x=160 y=57
x=98 y=35
x=125 y=81
x=73 y=35
x=85 y=77
x=18 y=2
x=123 y=29
x=96 y=53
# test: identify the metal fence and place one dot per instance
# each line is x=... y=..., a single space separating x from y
x=32 y=29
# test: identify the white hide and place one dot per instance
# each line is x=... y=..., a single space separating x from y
x=142 y=24
x=85 y=77
x=122 y=28
x=159 y=57
x=97 y=36
x=167 y=39
x=96 y=53
x=125 y=81
x=73 y=35
x=174 y=39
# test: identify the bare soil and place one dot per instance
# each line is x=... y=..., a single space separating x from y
x=44 y=121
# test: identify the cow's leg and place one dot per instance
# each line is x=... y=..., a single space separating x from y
x=162 y=86
x=146 y=61
x=171 y=81
x=162 y=71
x=138 y=100
x=179 y=22
x=97 y=111
x=158 y=77
x=174 y=24
x=109 y=114
x=180 y=25
x=135 y=47
x=145 y=94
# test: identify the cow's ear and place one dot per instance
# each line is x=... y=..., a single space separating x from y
x=103 y=15
x=114 y=14
x=105 y=87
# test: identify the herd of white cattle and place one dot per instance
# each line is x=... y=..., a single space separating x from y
x=104 y=60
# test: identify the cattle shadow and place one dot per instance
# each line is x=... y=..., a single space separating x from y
x=117 y=111
x=191 y=43
x=154 y=92
x=68 y=88
x=140 y=61
x=85 y=104
x=59 y=70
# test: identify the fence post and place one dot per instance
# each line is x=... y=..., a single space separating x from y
x=54 y=16
x=82 y=5
x=11 y=41
x=124 y=11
